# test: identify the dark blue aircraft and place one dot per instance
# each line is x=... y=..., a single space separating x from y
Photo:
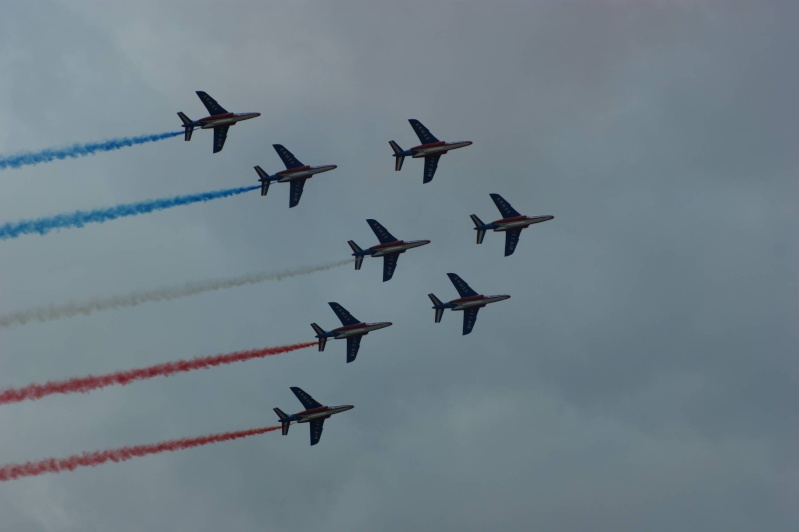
x=469 y=302
x=352 y=330
x=431 y=149
x=296 y=174
x=219 y=120
x=389 y=248
x=512 y=223
x=314 y=413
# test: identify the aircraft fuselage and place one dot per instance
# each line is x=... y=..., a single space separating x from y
x=323 y=412
x=519 y=222
x=358 y=329
x=436 y=148
x=303 y=172
x=480 y=301
x=398 y=246
x=227 y=119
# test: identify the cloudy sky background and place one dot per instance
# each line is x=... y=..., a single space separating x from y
x=642 y=377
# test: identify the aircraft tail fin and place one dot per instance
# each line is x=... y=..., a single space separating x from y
x=263 y=177
x=284 y=420
x=397 y=153
x=357 y=252
x=438 y=306
x=478 y=224
x=188 y=126
x=320 y=334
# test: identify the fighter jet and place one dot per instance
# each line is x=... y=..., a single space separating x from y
x=431 y=149
x=469 y=302
x=389 y=248
x=351 y=329
x=314 y=413
x=512 y=223
x=295 y=174
x=219 y=120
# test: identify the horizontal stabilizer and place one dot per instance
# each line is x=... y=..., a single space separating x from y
x=438 y=306
x=284 y=420
x=356 y=250
x=263 y=177
x=479 y=225
x=398 y=158
x=354 y=247
x=188 y=126
x=320 y=333
x=261 y=173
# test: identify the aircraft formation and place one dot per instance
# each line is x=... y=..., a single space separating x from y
x=296 y=173
x=389 y=248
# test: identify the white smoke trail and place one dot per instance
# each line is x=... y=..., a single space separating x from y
x=168 y=293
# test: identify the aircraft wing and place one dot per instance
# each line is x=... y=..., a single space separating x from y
x=389 y=265
x=345 y=317
x=504 y=207
x=316 y=430
x=425 y=137
x=210 y=104
x=460 y=285
x=295 y=192
x=307 y=401
x=469 y=318
x=380 y=232
x=353 y=344
x=511 y=239
x=287 y=157
x=430 y=165
x=220 y=134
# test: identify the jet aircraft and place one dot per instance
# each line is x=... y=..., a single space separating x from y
x=351 y=329
x=314 y=413
x=295 y=174
x=389 y=248
x=219 y=120
x=469 y=302
x=512 y=223
x=431 y=149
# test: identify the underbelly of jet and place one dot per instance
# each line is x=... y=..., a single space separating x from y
x=471 y=304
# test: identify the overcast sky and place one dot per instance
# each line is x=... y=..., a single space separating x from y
x=643 y=376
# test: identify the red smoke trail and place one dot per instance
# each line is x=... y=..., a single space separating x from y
x=56 y=465
x=94 y=382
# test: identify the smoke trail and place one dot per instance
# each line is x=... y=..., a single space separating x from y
x=95 y=382
x=57 y=465
x=168 y=293
x=81 y=218
x=78 y=150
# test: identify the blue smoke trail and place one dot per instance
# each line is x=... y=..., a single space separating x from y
x=81 y=218
x=78 y=150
